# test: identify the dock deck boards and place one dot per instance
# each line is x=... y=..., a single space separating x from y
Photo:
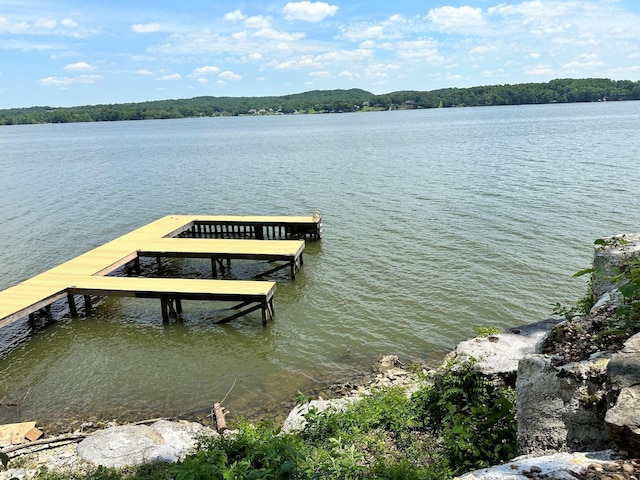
x=85 y=274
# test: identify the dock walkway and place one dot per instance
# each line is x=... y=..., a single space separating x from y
x=87 y=274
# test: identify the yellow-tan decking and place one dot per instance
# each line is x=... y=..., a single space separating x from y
x=288 y=251
x=85 y=274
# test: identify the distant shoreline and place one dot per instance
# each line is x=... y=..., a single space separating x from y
x=335 y=101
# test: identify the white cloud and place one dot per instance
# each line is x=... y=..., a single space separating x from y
x=203 y=80
x=43 y=26
x=301 y=62
x=144 y=72
x=533 y=9
x=173 y=76
x=578 y=65
x=258 y=22
x=271 y=34
x=68 y=22
x=209 y=69
x=229 y=75
x=326 y=59
x=482 y=50
x=452 y=18
x=240 y=36
x=46 y=23
x=70 y=80
x=7 y=26
x=420 y=49
x=396 y=26
x=234 y=16
x=146 y=27
x=253 y=57
x=79 y=66
x=309 y=11
x=348 y=74
x=539 y=70
x=355 y=34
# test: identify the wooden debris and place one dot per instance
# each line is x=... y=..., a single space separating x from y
x=33 y=434
x=16 y=433
x=44 y=444
x=220 y=412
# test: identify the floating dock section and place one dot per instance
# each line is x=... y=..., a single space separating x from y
x=219 y=238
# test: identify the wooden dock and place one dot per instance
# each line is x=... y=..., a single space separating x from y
x=172 y=236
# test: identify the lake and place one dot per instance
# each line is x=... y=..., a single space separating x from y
x=435 y=222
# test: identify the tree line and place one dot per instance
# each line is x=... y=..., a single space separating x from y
x=335 y=101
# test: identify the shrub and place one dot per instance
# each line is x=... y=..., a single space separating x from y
x=473 y=415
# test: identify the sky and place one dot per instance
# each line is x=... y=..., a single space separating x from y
x=83 y=52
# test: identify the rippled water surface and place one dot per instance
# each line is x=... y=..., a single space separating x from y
x=435 y=222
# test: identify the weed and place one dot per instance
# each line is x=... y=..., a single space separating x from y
x=474 y=416
x=486 y=331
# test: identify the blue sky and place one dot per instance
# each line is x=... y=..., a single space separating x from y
x=80 y=52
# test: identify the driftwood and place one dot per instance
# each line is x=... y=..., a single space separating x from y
x=44 y=444
x=219 y=413
x=153 y=420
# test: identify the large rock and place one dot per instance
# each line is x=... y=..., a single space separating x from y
x=559 y=466
x=623 y=419
x=499 y=354
x=296 y=420
x=561 y=409
x=162 y=441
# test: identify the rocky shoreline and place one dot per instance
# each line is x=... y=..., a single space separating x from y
x=577 y=397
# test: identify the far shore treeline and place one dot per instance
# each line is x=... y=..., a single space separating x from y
x=336 y=101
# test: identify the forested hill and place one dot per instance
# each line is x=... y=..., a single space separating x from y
x=334 y=101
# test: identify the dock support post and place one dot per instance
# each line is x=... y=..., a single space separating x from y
x=72 y=305
x=165 y=310
x=264 y=312
x=178 y=306
x=214 y=270
x=267 y=311
x=87 y=304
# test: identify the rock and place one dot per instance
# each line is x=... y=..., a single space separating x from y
x=162 y=441
x=561 y=409
x=296 y=421
x=624 y=368
x=613 y=256
x=559 y=466
x=623 y=419
x=499 y=354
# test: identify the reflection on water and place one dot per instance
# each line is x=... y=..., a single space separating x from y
x=435 y=222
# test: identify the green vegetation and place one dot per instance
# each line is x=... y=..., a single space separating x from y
x=486 y=331
x=456 y=421
x=617 y=322
x=335 y=101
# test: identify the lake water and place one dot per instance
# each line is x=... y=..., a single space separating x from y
x=435 y=222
